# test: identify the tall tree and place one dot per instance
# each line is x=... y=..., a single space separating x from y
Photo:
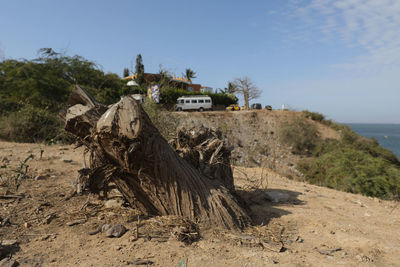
x=247 y=89
x=190 y=74
x=126 y=72
x=139 y=70
x=230 y=89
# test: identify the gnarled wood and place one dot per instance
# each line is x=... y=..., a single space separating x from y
x=126 y=149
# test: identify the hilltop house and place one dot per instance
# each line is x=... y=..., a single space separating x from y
x=178 y=82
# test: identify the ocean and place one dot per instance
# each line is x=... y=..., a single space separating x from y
x=388 y=135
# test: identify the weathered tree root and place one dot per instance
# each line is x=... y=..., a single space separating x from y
x=126 y=149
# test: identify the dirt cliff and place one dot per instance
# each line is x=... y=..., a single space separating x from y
x=254 y=136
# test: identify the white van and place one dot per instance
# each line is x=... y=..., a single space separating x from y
x=194 y=102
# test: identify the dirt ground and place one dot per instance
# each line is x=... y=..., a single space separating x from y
x=296 y=224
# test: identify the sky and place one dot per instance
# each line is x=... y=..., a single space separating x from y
x=337 y=57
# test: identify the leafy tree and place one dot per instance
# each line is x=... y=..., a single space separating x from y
x=247 y=89
x=139 y=70
x=32 y=92
x=190 y=74
x=126 y=72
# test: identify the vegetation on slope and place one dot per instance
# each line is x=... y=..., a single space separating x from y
x=353 y=164
x=300 y=134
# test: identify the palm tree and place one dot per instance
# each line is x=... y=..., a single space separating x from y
x=190 y=74
x=231 y=88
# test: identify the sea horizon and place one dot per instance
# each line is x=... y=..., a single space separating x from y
x=389 y=123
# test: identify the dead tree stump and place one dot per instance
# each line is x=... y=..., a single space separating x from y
x=126 y=149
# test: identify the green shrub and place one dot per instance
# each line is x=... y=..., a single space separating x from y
x=354 y=164
x=355 y=171
x=315 y=116
x=300 y=134
x=33 y=92
x=31 y=124
x=128 y=90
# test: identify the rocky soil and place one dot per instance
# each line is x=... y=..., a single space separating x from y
x=296 y=224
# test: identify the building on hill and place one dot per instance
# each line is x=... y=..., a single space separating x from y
x=194 y=87
x=178 y=82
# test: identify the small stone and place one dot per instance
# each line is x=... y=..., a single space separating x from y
x=299 y=240
x=105 y=227
x=132 y=238
x=116 y=231
x=332 y=232
x=27 y=225
x=67 y=160
x=275 y=196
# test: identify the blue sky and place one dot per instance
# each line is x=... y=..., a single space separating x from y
x=340 y=58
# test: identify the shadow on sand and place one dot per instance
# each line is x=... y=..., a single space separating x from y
x=264 y=205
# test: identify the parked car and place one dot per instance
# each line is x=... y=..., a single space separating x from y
x=256 y=106
x=268 y=107
x=195 y=102
x=233 y=107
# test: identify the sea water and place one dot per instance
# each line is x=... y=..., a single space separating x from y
x=388 y=135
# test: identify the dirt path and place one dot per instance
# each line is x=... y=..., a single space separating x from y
x=316 y=226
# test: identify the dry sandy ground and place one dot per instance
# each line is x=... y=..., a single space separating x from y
x=315 y=226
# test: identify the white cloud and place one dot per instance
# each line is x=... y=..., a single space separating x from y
x=372 y=25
